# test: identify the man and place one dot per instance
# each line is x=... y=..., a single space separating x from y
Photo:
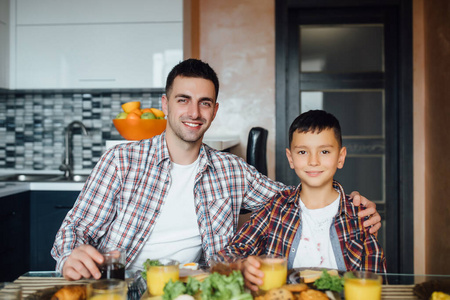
x=171 y=195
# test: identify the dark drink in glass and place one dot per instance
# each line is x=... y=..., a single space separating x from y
x=112 y=271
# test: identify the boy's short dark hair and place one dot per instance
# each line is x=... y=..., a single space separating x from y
x=192 y=68
x=315 y=120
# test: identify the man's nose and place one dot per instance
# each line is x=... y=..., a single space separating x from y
x=193 y=110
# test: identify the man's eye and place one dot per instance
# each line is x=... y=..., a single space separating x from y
x=206 y=103
x=182 y=100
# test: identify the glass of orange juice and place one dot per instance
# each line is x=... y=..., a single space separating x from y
x=158 y=276
x=362 y=285
x=107 y=289
x=275 y=271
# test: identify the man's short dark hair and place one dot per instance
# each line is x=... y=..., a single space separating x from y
x=192 y=68
x=315 y=121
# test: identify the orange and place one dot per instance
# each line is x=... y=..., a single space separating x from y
x=158 y=113
x=145 y=110
x=130 y=106
x=133 y=115
x=137 y=111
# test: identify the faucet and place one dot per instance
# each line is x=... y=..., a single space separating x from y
x=67 y=163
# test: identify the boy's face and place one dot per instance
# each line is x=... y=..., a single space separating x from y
x=315 y=157
x=190 y=108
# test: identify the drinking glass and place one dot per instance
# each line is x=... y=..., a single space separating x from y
x=158 y=276
x=362 y=285
x=113 y=266
x=275 y=271
x=10 y=291
x=107 y=289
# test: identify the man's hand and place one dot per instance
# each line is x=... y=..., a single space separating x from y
x=252 y=274
x=82 y=263
x=370 y=211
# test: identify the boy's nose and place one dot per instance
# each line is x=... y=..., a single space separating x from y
x=313 y=160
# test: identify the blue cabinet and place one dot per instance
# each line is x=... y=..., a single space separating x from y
x=48 y=209
x=14 y=236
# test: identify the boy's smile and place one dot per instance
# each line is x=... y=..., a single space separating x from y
x=315 y=157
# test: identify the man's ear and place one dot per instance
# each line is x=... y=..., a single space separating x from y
x=289 y=158
x=342 y=155
x=164 y=104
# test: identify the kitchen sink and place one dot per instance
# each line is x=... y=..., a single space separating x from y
x=42 y=178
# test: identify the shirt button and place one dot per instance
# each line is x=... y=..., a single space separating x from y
x=293 y=250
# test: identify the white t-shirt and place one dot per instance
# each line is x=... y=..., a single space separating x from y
x=176 y=233
x=315 y=248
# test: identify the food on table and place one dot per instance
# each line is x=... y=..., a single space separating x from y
x=312 y=295
x=296 y=287
x=329 y=282
x=213 y=287
x=190 y=266
x=309 y=276
x=70 y=292
x=278 y=294
x=440 y=296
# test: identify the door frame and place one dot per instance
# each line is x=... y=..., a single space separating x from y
x=402 y=260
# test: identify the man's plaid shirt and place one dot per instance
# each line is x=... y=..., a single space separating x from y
x=121 y=200
x=272 y=231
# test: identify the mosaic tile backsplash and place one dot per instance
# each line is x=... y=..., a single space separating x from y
x=32 y=126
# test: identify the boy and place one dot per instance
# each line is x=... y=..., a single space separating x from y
x=314 y=224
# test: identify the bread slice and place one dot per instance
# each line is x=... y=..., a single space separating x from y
x=308 y=276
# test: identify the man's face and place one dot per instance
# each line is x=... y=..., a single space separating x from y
x=190 y=108
x=315 y=157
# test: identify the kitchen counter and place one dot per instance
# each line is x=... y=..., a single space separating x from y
x=219 y=142
x=10 y=188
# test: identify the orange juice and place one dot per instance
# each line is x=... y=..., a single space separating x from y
x=108 y=297
x=275 y=273
x=367 y=289
x=158 y=276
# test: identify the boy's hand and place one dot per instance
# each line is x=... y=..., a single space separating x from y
x=371 y=211
x=252 y=274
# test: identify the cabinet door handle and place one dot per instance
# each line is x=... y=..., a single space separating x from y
x=63 y=207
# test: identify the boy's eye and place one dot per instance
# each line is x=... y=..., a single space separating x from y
x=302 y=152
x=325 y=151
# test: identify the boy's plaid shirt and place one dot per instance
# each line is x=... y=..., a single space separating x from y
x=272 y=230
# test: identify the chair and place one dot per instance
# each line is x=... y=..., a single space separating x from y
x=257 y=148
x=256 y=156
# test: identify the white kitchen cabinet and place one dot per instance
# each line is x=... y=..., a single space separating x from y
x=97 y=55
x=45 y=12
x=4 y=43
x=92 y=44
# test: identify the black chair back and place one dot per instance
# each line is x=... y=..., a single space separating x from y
x=257 y=149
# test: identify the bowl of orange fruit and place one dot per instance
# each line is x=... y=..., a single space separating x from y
x=135 y=123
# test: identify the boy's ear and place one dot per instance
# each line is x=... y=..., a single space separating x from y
x=342 y=155
x=289 y=157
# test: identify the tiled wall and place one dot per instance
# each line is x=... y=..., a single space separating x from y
x=32 y=126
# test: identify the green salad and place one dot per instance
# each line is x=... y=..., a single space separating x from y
x=214 y=287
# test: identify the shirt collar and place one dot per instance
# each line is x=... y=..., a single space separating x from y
x=343 y=209
x=163 y=154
